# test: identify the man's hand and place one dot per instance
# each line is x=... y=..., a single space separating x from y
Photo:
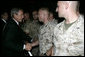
x=28 y=46
x=50 y=52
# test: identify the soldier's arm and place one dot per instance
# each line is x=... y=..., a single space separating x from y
x=35 y=43
x=77 y=47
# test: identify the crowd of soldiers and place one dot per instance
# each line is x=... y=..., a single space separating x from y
x=41 y=32
x=52 y=39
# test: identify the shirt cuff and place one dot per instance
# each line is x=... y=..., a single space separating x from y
x=24 y=46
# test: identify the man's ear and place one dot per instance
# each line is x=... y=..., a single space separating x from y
x=15 y=16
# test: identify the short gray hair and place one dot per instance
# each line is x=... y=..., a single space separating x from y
x=15 y=11
x=44 y=9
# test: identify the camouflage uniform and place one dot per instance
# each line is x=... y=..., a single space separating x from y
x=54 y=21
x=33 y=33
x=34 y=29
x=45 y=37
x=69 y=42
x=26 y=26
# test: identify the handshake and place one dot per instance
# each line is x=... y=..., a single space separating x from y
x=30 y=43
x=28 y=46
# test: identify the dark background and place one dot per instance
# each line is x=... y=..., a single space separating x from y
x=30 y=5
x=27 y=4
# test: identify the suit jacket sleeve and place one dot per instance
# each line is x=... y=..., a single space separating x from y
x=14 y=38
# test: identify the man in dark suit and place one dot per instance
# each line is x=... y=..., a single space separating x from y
x=4 y=17
x=3 y=21
x=13 y=36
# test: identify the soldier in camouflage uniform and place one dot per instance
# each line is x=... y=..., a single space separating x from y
x=52 y=19
x=26 y=21
x=45 y=37
x=69 y=35
x=34 y=31
x=34 y=26
x=45 y=34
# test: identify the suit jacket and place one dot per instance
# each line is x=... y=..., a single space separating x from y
x=13 y=40
x=2 y=24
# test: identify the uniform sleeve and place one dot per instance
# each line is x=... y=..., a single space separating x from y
x=55 y=43
x=77 y=48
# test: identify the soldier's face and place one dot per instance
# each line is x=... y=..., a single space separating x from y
x=60 y=9
x=42 y=15
x=35 y=15
x=26 y=16
x=51 y=16
x=19 y=16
